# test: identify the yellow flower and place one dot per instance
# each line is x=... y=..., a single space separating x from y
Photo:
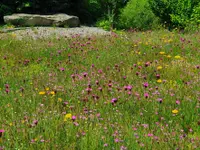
x=175 y=111
x=159 y=67
x=60 y=99
x=47 y=88
x=52 y=93
x=42 y=93
x=169 y=56
x=67 y=116
x=162 y=53
x=177 y=57
x=159 y=80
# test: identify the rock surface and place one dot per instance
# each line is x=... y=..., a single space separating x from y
x=54 y=32
x=59 y=20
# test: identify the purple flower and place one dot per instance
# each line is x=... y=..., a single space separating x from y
x=116 y=140
x=146 y=84
x=35 y=122
x=73 y=118
x=147 y=64
x=89 y=90
x=62 y=69
x=7 y=86
x=158 y=76
x=100 y=71
x=146 y=95
x=85 y=74
x=114 y=100
x=128 y=87
x=160 y=100
x=7 y=91
x=2 y=130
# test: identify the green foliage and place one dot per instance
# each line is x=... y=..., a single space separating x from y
x=194 y=23
x=195 y=17
x=137 y=14
x=104 y=23
x=174 y=13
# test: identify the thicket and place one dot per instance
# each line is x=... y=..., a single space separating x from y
x=121 y=14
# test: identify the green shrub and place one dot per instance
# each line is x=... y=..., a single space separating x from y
x=137 y=14
x=174 y=13
x=194 y=23
x=105 y=24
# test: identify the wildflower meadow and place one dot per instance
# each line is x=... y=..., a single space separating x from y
x=124 y=91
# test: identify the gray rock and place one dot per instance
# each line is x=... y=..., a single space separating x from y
x=59 y=20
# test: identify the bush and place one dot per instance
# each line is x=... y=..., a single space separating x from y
x=174 y=13
x=105 y=24
x=137 y=14
x=194 y=23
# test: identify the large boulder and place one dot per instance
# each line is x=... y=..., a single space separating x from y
x=59 y=20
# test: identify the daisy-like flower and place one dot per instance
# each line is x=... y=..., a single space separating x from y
x=42 y=92
x=169 y=56
x=47 y=88
x=162 y=53
x=175 y=111
x=67 y=116
x=159 y=67
x=177 y=57
x=52 y=93
x=159 y=81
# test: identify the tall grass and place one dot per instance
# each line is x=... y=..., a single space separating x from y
x=135 y=91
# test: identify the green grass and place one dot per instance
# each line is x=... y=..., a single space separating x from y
x=70 y=73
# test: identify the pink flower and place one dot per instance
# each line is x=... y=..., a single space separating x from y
x=123 y=148
x=150 y=135
x=114 y=100
x=62 y=69
x=146 y=95
x=7 y=86
x=35 y=122
x=85 y=74
x=2 y=130
x=73 y=118
x=178 y=102
x=100 y=71
x=134 y=129
x=116 y=140
x=146 y=84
